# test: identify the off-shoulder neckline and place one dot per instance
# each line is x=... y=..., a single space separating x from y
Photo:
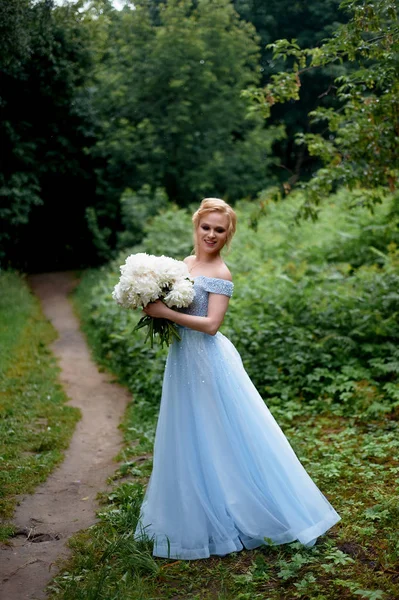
x=217 y=278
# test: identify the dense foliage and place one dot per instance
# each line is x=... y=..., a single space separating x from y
x=169 y=110
x=314 y=313
x=309 y=23
x=143 y=102
x=45 y=174
x=128 y=104
x=358 y=146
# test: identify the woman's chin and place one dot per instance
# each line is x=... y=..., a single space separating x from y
x=210 y=249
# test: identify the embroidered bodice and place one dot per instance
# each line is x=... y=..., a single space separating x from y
x=203 y=286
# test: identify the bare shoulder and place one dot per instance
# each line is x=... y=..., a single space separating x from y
x=223 y=272
x=189 y=260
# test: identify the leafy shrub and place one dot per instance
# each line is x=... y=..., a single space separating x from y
x=316 y=330
x=136 y=210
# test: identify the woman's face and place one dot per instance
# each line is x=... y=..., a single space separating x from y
x=212 y=232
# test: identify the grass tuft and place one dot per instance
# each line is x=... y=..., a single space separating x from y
x=35 y=422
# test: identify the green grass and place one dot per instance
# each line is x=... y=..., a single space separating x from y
x=355 y=464
x=35 y=423
x=15 y=309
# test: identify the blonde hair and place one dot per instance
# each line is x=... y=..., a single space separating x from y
x=215 y=205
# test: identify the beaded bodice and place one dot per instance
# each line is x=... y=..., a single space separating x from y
x=203 y=286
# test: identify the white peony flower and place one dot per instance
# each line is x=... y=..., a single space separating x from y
x=146 y=278
x=181 y=294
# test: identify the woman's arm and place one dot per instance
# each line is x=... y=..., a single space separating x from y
x=217 y=307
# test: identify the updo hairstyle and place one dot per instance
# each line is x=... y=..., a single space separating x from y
x=211 y=205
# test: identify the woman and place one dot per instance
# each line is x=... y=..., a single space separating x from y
x=224 y=474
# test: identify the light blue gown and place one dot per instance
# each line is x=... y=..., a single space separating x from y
x=224 y=474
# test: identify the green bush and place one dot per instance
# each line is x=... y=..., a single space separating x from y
x=136 y=209
x=314 y=311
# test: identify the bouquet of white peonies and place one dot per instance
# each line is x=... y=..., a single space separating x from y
x=146 y=278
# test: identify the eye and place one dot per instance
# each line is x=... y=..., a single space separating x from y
x=205 y=227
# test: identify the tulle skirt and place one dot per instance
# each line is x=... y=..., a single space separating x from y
x=224 y=475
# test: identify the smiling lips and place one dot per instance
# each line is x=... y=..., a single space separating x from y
x=210 y=243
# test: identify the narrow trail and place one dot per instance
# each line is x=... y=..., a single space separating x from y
x=66 y=502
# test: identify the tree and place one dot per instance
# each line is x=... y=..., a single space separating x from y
x=309 y=23
x=14 y=33
x=19 y=184
x=358 y=148
x=169 y=108
x=46 y=178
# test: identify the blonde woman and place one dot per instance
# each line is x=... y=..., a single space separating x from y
x=224 y=475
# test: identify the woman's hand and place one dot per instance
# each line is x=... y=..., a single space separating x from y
x=157 y=309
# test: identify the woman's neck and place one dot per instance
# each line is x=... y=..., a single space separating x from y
x=208 y=259
x=205 y=264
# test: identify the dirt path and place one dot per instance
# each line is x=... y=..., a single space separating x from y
x=66 y=502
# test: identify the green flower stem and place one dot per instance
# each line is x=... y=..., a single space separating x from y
x=165 y=329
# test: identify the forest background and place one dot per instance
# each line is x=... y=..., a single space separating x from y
x=114 y=125
x=108 y=116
